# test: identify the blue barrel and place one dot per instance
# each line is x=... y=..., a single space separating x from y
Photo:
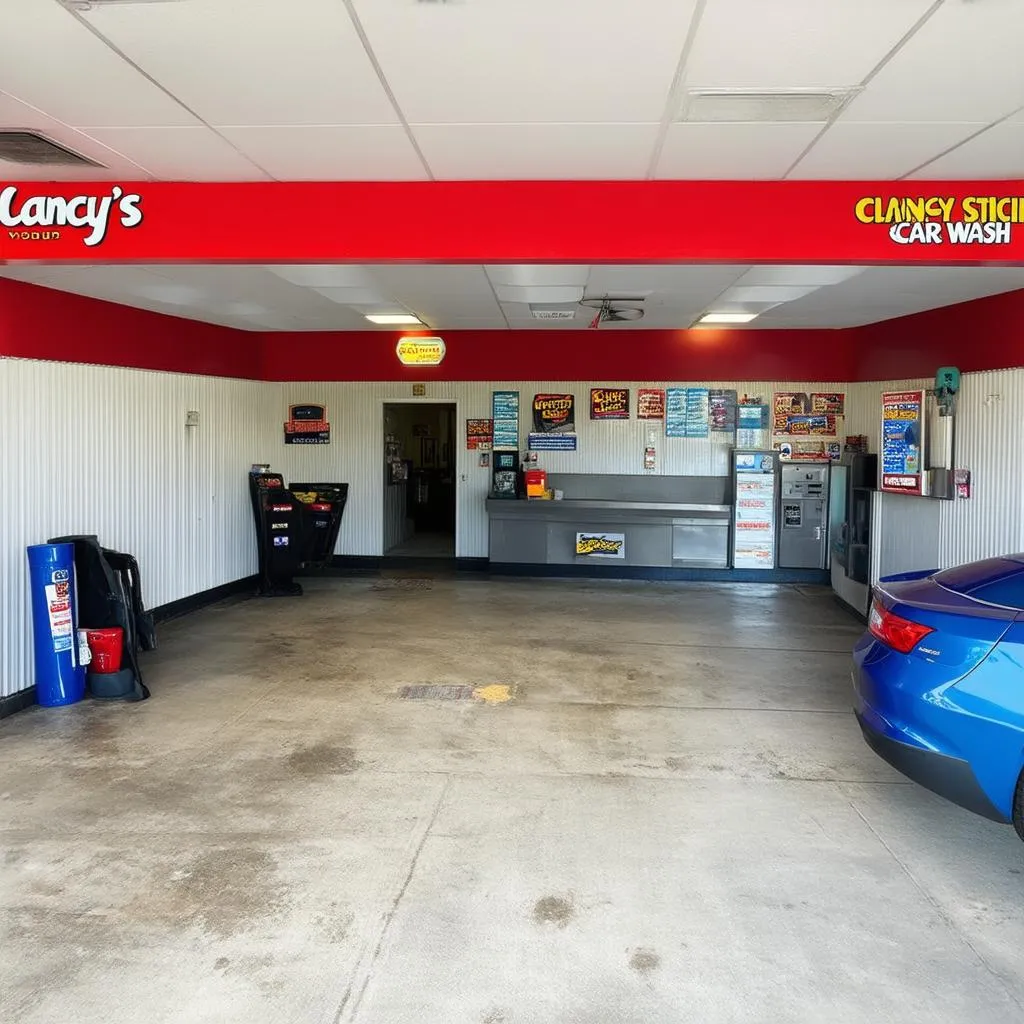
x=60 y=679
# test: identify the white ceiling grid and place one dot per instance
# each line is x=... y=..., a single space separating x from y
x=407 y=89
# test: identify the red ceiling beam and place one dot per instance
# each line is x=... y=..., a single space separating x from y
x=515 y=221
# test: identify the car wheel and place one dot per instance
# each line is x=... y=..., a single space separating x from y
x=1018 y=807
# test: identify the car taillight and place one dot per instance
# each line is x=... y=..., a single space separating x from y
x=893 y=630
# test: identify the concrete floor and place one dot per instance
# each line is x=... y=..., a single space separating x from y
x=674 y=819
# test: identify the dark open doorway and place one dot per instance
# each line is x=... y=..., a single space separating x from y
x=419 y=479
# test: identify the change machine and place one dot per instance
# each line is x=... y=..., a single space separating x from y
x=803 y=515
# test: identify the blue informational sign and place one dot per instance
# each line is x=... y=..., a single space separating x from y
x=552 y=442
x=675 y=412
x=902 y=441
x=505 y=413
x=697 y=412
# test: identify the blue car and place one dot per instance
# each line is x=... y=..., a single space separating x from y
x=939 y=682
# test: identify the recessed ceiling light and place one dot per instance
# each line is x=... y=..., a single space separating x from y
x=394 y=319
x=727 y=318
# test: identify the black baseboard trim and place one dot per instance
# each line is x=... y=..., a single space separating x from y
x=667 y=573
x=175 y=609
x=17 y=701
x=374 y=565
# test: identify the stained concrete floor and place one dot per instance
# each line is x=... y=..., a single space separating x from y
x=674 y=819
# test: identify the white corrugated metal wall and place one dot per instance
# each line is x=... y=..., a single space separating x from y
x=609 y=446
x=91 y=449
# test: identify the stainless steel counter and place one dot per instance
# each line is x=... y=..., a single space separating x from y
x=653 y=532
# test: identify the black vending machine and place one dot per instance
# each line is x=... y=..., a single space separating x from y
x=296 y=527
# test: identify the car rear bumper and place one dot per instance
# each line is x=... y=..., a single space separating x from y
x=947 y=776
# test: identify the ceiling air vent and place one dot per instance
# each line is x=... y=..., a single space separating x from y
x=725 y=105
x=23 y=147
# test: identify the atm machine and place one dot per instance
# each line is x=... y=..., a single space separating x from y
x=803 y=515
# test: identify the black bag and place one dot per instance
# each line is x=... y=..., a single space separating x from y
x=110 y=594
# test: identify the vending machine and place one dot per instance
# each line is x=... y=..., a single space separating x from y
x=755 y=500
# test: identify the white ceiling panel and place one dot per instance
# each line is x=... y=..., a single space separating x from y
x=496 y=61
x=508 y=151
x=527 y=274
x=733 y=151
x=963 y=65
x=55 y=63
x=996 y=153
x=886 y=150
x=681 y=285
x=324 y=275
x=180 y=154
x=327 y=153
x=786 y=274
x=17 y=115
x=262 y=62
x=786 y=44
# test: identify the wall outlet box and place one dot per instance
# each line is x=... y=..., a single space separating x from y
x=192 y=418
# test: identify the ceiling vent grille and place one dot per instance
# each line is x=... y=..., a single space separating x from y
x=728 y=105
x=30 y=148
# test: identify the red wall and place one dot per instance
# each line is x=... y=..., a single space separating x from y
x=41 y=323
x=984 y=334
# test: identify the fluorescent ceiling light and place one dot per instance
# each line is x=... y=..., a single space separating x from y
x=727 y=318
x=394 y=319
x=744 y=105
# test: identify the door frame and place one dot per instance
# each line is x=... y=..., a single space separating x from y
x=458 y=445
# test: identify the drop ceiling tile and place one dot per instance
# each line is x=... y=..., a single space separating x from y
x=330 y=153
x=752 y=44
x=538 y=293
x=57 y=65
x=538 y=151
x=996 y=153
x=323 y=275
x=529 y=274
x=180 y=154
x=879 y=150
x=785 y=274
x=962 y=65
x=682 y=285
x=259 y=63
x=733 y=151
x=487 y=62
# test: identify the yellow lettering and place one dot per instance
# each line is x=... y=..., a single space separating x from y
x=864 y=211
x=970 y=209
x=915 y=209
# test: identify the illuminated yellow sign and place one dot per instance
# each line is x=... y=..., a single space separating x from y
x=603 y=545
x=421 y=351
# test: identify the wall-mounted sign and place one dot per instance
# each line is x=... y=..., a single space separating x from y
x=479 y=434
x=552 y=442
x=505 y=419
x=601 y=545
x=307 y=424
x=419 y=390
x=675 y=412
x=609 y=403
x=420 y=351
x=722 y=410
x=902 y=441
x=650 y=404
x=830 y=403
x=554 y=414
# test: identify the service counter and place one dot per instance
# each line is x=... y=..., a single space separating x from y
x=667 y=522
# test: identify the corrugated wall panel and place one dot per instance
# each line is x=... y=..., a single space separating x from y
x=357 y=439
x=90 y=449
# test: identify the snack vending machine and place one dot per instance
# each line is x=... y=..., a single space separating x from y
x=755 y=499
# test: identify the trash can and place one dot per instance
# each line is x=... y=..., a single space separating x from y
x=106 y=646
x=60 y=675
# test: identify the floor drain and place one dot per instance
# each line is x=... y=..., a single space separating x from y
x=429 y=692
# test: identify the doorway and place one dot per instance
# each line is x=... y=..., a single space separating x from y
x=419 y=479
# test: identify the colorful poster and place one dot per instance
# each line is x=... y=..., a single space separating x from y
x=828 y=403
x=650 y=404
x=697 y=412
x=807 y=426
x=675 y=412
x=754 y=528
x=902 y=441
x=786 y=404
x=609 y=403
x=307 y=424
x=722 y=410
x=752 y=426
x=552 y=442
x=554 y=414
x=601 y=545
x=505 y=419
x=479 y=435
